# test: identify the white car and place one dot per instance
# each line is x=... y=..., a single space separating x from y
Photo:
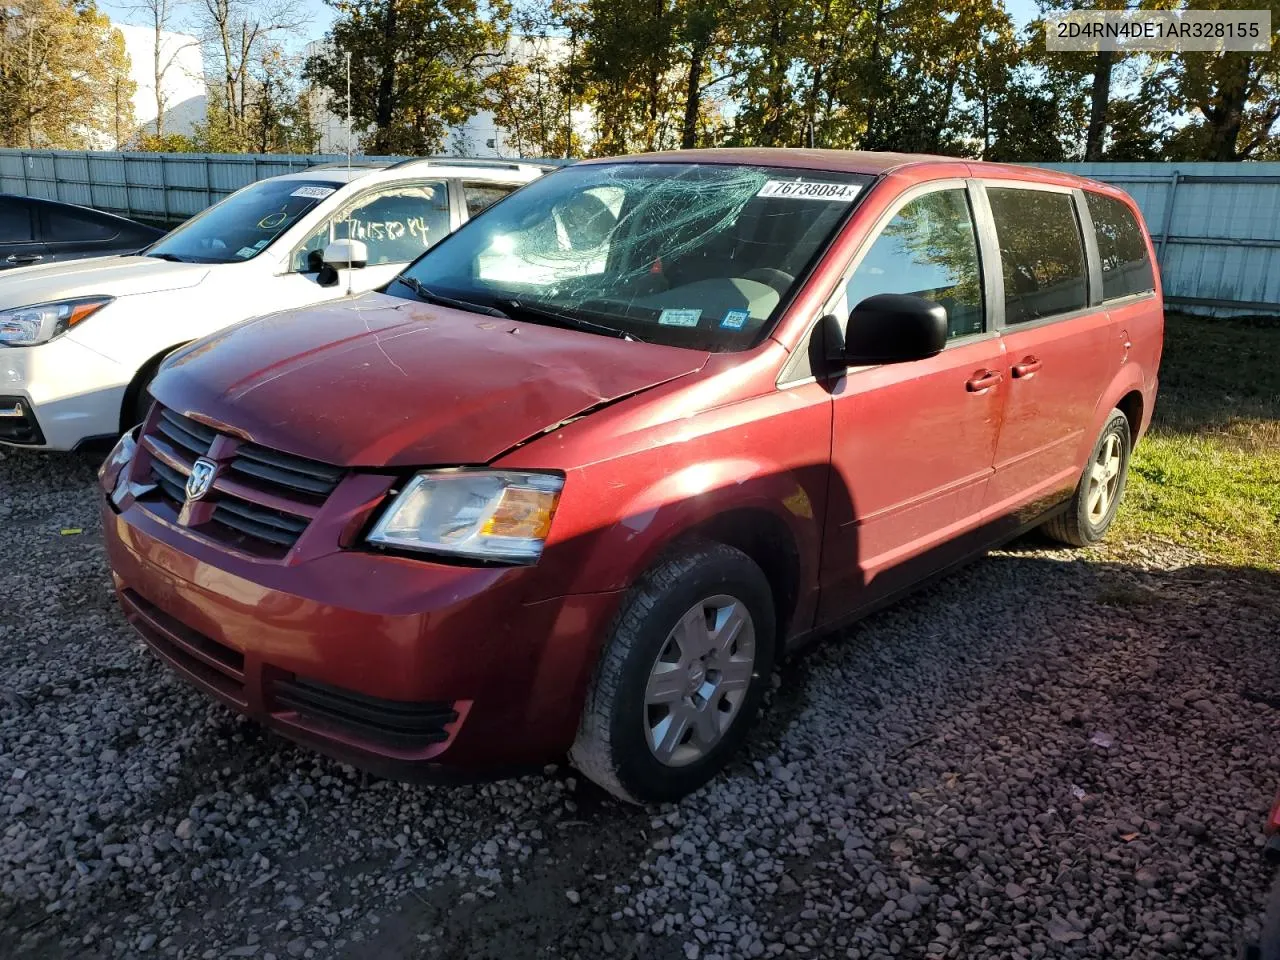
x=80 y=342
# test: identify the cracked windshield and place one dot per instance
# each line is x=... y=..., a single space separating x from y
x=694 y=255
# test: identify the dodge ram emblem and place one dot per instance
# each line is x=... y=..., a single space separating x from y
x=201 y=479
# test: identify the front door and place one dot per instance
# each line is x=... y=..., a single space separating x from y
x=913 y=443
x=20 y=244
x=1057 y=349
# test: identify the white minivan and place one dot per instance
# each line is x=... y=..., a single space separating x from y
x=80 y=341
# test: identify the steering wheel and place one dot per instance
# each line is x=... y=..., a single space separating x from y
x=780 y=280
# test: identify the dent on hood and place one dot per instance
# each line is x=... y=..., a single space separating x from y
x=380 y=381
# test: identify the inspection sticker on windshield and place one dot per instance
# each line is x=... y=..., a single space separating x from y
x=680 y=318
x=244 y=253
x=312 y=193
x=809 y=190
x=735 y=319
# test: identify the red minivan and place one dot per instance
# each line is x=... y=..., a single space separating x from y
x=578 y=478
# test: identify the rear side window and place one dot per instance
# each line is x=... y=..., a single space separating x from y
x=929 y=249
x=1041 y=253
x=481 y=196
x=15 y=221
x=61 y=226
x=1126 y=268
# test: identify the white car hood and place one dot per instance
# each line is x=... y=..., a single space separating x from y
x=107 y=276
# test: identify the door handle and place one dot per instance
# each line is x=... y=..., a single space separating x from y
x=1027 y=367
x=24 y=258
x=982 y=380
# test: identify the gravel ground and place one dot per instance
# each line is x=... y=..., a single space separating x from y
x=1047 y=754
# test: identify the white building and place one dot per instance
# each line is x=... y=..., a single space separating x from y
x=183 y=92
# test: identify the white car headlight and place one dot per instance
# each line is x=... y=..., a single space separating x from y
x=482 y=514
x=41 y=322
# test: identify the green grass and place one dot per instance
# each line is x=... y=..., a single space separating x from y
x=1207 y=475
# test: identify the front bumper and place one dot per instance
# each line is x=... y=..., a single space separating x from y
x=409 y=669
x=68 y=392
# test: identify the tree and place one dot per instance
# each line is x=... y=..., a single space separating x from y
x=163 y=143
x=418 y=67
x=1234 y=99
x=63 y=75
x=160 y=16
x=235 y=34
x=532 y=97
x=279 y=117
x=539 y=83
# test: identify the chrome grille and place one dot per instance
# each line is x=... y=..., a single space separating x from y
x=263 y=499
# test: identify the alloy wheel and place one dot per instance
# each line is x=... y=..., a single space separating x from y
x=1104 y=479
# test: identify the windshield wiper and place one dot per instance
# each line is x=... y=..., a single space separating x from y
x=422 y=293
x=171 y=257
x=537 y=314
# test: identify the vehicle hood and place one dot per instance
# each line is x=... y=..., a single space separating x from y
x=380 y=381
x=108 y=276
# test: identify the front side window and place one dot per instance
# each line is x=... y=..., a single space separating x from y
x=63 y=227
x=688 y=254
x=395 y=224
x=246 y=223
x=1122 y=250
x=930 y=250
x=1041 y=253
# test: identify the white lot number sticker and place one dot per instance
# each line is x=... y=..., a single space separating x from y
x=810 y=190
x=679 y=318
x=312 y=193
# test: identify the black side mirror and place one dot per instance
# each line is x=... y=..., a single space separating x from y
x=894 y=328
x=327 y=275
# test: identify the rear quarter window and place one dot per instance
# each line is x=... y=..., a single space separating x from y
x=1122 y=249
x=66 y=226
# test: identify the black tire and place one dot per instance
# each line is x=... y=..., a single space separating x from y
x=1076 y=526
x=1269 y=944
x=612 y=747
x=137 y=399
x=139 y=405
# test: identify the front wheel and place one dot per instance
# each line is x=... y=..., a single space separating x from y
x=682 y=674
x=1093 y=506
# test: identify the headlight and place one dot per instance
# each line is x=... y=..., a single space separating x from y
x=116 y=467
x=119 y=457
x=28 y=326
x=485 y=515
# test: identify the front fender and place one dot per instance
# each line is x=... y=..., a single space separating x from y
x=651 y=518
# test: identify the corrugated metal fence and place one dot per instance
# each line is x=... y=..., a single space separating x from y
x=1216 y=225
x=168 y=187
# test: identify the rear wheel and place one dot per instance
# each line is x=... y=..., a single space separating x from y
x=1093 y=506
x=680 y=679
